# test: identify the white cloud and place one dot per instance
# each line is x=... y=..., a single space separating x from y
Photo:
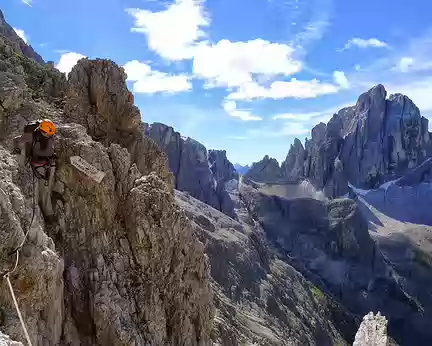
x=173 y=32
x=340 y=79
x=357 y=67
x=27 y=2
x=284 y=89
x=294 y=129
x=419 y=92
x=315 y=117
x=145 y=80
x=231 y=108
x=410 y=64
x=405 y=63
x=21 y=34
x=365 y=43
x=239 y=138
x=68 y=61
x=232 y=64
x=319 y=12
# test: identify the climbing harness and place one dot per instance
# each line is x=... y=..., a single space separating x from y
x=6 y=275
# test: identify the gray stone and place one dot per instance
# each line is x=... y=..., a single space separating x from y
x=293 y=166
x=5 y=340
x=267 y=170
x=375 y=141
x=8 y=33
x=201 y=174
x=372 y=331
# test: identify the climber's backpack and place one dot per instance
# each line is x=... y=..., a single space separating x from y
x=31 y=127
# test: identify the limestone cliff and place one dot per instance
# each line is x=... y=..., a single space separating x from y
x=266 y=170
x=119 y=264
x=377 y=140
x=202 y=174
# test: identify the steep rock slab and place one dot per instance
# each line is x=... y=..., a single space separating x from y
x=368 y=144
x=16 y=43
x=134 y=274
x=259 y=297
x=267 y=171
x=201 y=174
x=38 y=280
x=293 y=166
x=384 y=138
x=98 y=99
x=330 y=244
x=164 y=295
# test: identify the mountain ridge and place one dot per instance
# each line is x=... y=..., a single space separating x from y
x=133 y=260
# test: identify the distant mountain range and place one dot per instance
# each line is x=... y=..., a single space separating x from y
x=241 y=169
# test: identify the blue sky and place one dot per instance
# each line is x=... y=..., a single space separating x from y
x=240 y=75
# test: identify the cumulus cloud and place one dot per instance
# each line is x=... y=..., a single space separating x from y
x=21 y=34
x=174 y=32
x=231 y=108
x=340 y=79
x=177 y=33
x=284 y=89
x=231 y=64
x=148 y=81
x=405 y=63
x=68 y=61
x=365 y=43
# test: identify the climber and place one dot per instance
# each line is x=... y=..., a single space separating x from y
x=36 y=148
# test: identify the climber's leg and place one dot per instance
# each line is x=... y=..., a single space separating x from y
x=44 y=192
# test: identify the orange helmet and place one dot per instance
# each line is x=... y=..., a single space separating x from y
x=47 y=128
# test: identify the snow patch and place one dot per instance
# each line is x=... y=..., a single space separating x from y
x=387 y=184
x=358 y=191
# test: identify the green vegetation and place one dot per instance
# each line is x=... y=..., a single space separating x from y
x=318 y=295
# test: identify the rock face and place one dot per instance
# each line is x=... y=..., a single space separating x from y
x=98 y=99
x=368 y=144
x=266 y=170
x=6 y=341
x=260 y=298
x=329 y=243
x=372 y=331
x=201 y=174
x=293 y=166
x=118 y=264
x=15 y=42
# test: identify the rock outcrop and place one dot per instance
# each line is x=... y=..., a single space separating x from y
x=6 y=341
x=329 y=243
x=372 y=331
x=267 y=170
x=293 y=166
x=118 y=264
x=201 y=174
x=375 y=141
x=260 y=298
x=15 y=42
